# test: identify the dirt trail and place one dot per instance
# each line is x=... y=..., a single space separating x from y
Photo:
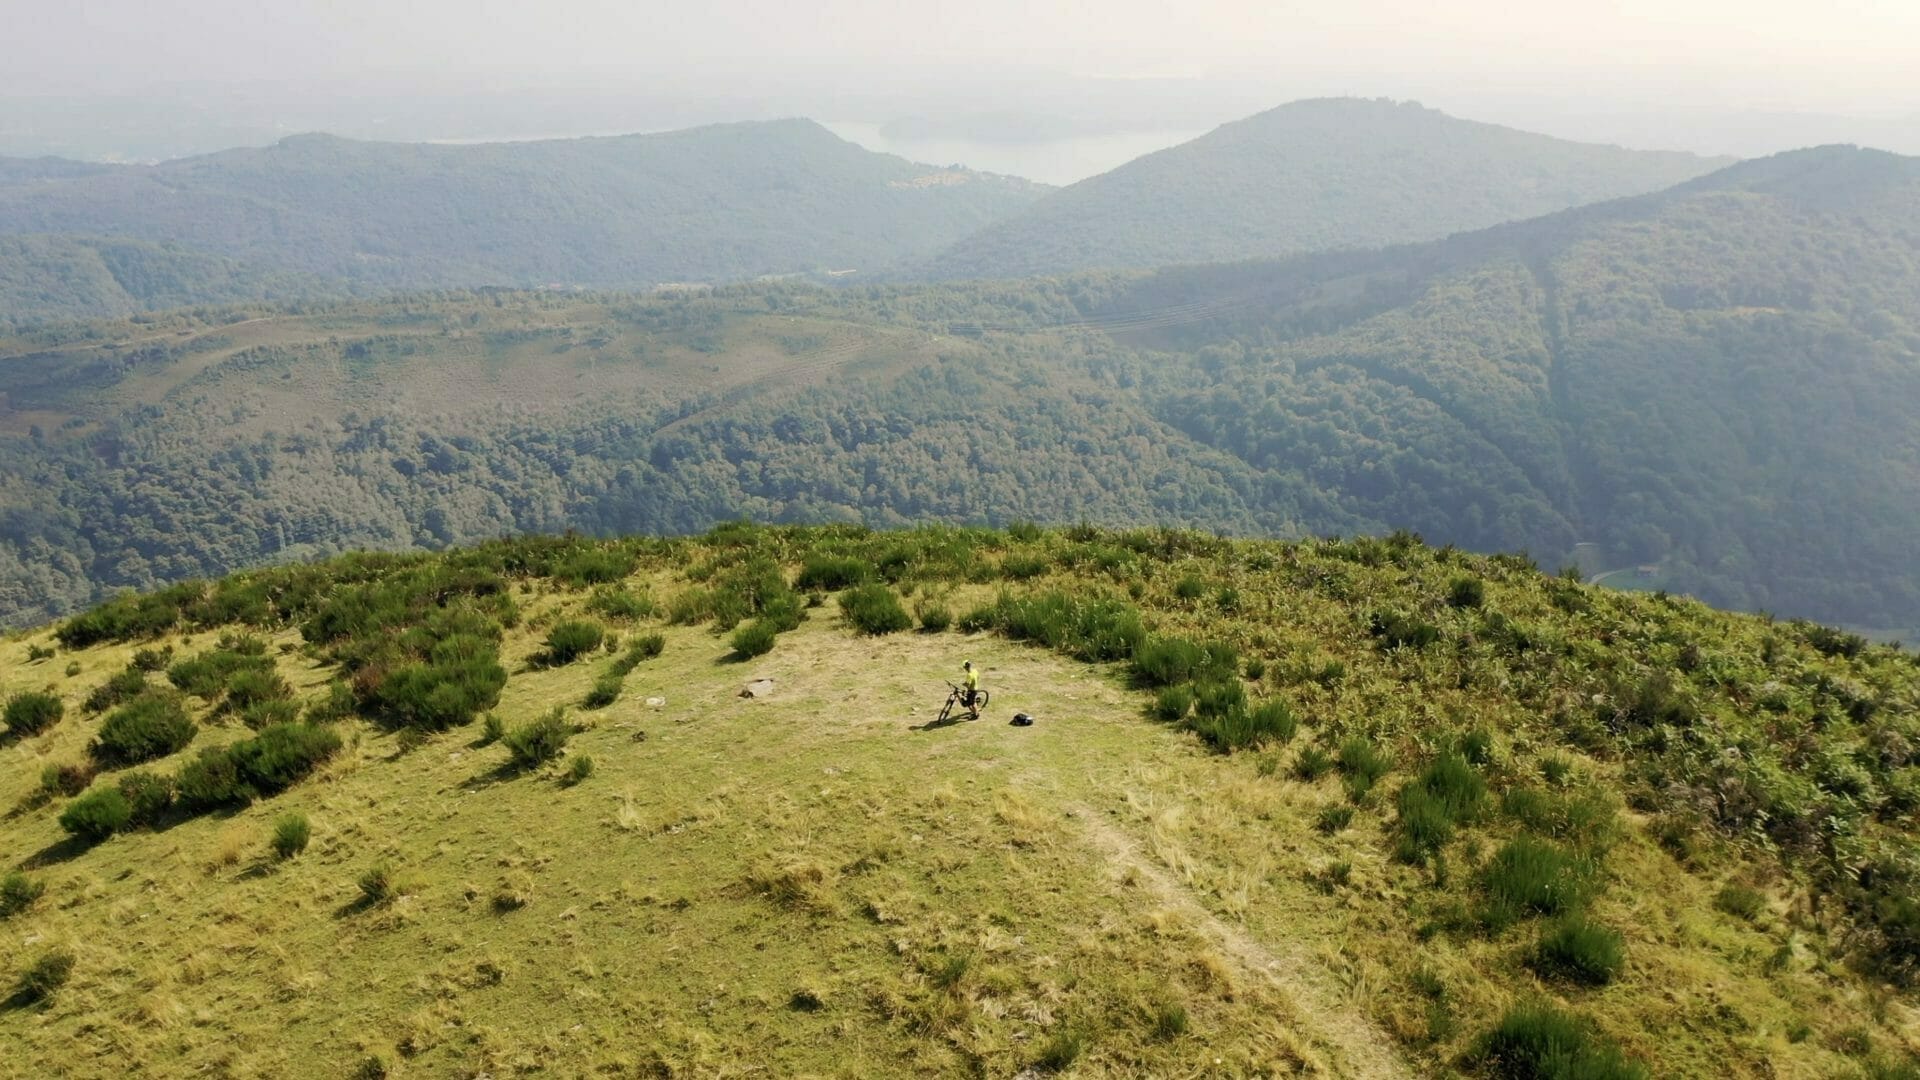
x=1351 y=1044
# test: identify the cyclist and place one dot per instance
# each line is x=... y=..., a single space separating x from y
x=973 y=690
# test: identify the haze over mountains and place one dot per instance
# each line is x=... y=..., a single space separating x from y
x=1310 y=176
x=313 y=215
x=723 y=202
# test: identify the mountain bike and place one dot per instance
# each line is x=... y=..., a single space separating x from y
x=958 y=700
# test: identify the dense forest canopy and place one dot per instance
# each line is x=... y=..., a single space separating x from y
x=723 y=202
x=1715 y=383
x=1310 y=176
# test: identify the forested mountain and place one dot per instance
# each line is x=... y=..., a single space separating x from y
x=723 y=202
x=1721 y=379
x=69 y=277
x=1717 y=382
x=1311 y=176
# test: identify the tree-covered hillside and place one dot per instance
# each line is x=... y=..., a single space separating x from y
x=1311 y=176
x=1720 y=380
x=1713 y=388
x=729 y=201
x=78 y=277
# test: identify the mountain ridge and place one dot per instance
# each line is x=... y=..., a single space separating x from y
x=1279 y=183
x=713 y=203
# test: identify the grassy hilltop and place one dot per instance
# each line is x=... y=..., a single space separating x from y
x=1353 y=807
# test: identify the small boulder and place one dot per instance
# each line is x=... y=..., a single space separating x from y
x=656 y=702
x=758 y=688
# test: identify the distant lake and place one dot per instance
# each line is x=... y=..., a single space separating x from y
x=1054 y=161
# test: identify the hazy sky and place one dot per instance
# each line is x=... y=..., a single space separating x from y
x=1831 y=54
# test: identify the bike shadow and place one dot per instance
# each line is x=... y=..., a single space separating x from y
x=936 y=725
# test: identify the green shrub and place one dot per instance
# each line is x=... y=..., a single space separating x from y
x=126 y=618
x=579 y=768
x=492 y=729
x=1399 y=630
x=1256 y=669
x=97 y=815
x=1740 y=902
x=272 y=761
x=1585 y=819
x=753 y=639
x=46 y=976
x=37 y=653
x=614 y=602
x=290 y=835
x=1025 y=532
x=1363 y=764
x=32 y=712
x=1220 y=698
x=1531 y=877
x=1273 y=721
x=1189 y=587
x=281 y=755
x=873 y=609
x=149 y=797
x=1477 y=747
x=152 y=659
x=570 y=640
x=1169 y=1020
x=1173 y=703
x=124 y=686
x=831 y=573
x=648 y=646
x=205 y=676
x=1831 y=642
x=335 y=705
x=1556 y=769
x=1658 y=699
x=783 y=612
x=593 y=566
x=1333 y=818
x=539 y=741
x=18 y=893
x=210 y=781
x=73 y=668
x=265 y=714
x=936 y=618
x=1022 y=566
x=1092 y=630
x=376 y=885
x=1466 y=592
x=1452 y=781
x=606 y=690
x=1579 y=951
x=68 y=780
x=1424 y=825
x=1312 y=764
x=1169 y=661
x=1221 y=718
x=253 y=686
x=460 y=678
x=148 y=727
x=1540 y=1042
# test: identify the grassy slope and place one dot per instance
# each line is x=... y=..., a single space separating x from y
x=709 y=881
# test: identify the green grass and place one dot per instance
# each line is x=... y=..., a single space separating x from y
x=809 y=885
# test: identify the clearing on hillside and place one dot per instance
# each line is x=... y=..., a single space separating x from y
x=1354 y=808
